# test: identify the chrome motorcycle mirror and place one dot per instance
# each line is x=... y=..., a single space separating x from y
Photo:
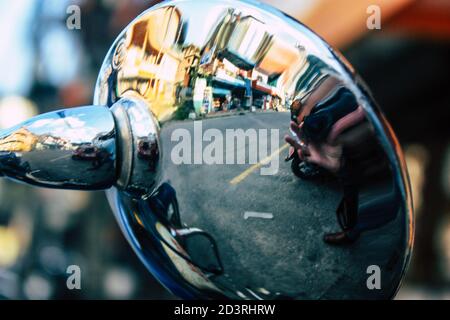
x=196 y=105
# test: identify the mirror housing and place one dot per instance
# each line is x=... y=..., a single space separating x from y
x=257 y=84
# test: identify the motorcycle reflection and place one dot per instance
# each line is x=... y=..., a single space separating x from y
x=91 y=153
x=12 y=162
x=195 y=246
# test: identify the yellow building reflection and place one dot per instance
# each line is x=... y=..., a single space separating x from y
x=151 y=64
x=20 y=141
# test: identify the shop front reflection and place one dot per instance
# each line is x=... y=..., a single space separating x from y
x=237 y=68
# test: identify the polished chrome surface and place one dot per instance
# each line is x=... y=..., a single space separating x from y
x=138 y=145
x=244 y=156
x=85 y=148
x=222 y=215
x=71 y=149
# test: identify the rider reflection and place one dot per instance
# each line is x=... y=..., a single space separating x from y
x=335 y=136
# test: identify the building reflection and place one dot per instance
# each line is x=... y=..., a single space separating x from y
x=241 y=66
x=19 y=141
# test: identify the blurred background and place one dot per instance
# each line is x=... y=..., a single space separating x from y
x=45 y=66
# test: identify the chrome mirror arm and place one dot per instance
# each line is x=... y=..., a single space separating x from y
x=77 y=148
x=67 y=149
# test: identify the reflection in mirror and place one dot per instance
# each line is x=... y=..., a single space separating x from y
x=37 y=151
x=274 y=173
x=201 y=249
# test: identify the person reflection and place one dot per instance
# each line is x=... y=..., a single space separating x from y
x=302 y=107
x=148 y=151
x=335 y=136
